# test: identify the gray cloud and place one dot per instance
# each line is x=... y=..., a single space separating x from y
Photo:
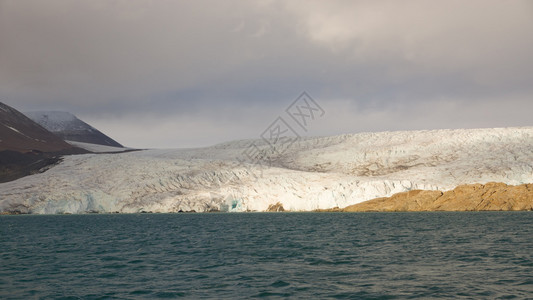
x=209 y=71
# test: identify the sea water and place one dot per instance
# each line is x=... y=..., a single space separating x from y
x=246 y=255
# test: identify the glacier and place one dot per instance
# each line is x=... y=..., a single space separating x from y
x=311 y=173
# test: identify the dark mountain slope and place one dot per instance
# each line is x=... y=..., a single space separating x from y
x=19 y=133
x=26 y=147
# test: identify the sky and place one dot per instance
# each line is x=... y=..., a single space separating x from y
x=174 y=74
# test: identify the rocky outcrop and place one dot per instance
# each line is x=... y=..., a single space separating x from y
x=278 y=207
x=470 y=197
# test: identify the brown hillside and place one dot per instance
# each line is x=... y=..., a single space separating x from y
x=471 y=197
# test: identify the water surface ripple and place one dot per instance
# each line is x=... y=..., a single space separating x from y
x=247 y=255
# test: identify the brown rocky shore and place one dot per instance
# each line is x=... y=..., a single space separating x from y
x=492 y=196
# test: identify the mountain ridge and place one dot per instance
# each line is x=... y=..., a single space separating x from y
x=26 y=147
x=19 y=133
x=70 y=128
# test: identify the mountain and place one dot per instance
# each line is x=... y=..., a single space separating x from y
x=26 y=147
x=21 y=134
x=68 y=127
x=291 y=175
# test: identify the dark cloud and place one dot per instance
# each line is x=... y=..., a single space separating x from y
x=209 y=71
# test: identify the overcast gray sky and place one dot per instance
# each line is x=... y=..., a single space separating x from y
x=195 y=73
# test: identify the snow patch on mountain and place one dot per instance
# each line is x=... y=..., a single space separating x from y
x=55 y=121
x=313 y=173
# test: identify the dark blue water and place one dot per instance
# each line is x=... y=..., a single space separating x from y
x=296 y=255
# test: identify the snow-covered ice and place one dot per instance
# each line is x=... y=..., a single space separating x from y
x=96 y=148
x=312 y=173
